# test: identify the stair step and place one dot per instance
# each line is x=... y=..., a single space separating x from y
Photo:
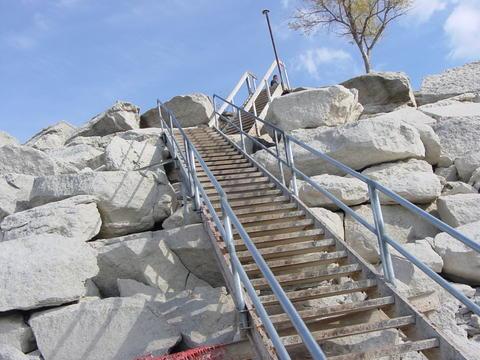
x=309 y=276
x=265 y=209
x=230 y=166
x=259 y=179
x=321 y=292
x=271 y=217
x=251 y=202
x=280 y=251
x=313 y=259
x=216 y=162
x=285 y=225
x=293 y=341
x=224 y=157
x=243 y=189
x=226 y=175
x=282 y=321
x=247 y=194
x=278 y=239
x=404 y=348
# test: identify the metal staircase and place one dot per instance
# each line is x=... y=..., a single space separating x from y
x=282 y=264
x=256 y=103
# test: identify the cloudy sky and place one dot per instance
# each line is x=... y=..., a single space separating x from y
x=70 y=59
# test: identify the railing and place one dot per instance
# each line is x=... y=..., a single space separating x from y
x=254 y=89
x=285 y=159
x=224 y=223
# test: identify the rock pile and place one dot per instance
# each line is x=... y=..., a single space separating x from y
x=93 y=236
x=428 y=154
x=98 y=258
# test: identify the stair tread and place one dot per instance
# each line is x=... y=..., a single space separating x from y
x=283 y=321
x=312 y=259
x=321 y=291
x=349 y=330
x=274 y=216
x=284 y=225
x=247 y=194
x=397 y=349
x=310 y=275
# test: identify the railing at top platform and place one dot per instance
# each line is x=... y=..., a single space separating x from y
x=249 y=80
x=225 y=222
x=284 y=156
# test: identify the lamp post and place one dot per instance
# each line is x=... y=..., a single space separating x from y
x=265 y=12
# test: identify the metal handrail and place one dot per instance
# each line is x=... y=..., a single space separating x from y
x=240 y=277
x=373 y=187
x=244 y=79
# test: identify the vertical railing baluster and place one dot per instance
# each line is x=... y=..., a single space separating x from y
x=268 y=91
x=280 y=165
x=291 y=164
x=387 y=265
x=237 y=285
x=242 y=138
x=196 y=192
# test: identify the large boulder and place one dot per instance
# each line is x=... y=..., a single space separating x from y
x=333 y=221
x=75 y=217
x=204 y=315
x=190 y=110
x=184 y=215
x=458 y=137
x=123 y=154
x=122 y=116
x=143 y=257
x=193 y=247
x=423 y=124
x=467 y=164
x=150 y=135
x=400 y=224
x=350 y=191
x=459 y=80
x=329 y=106
x=15 y=332
x=418 y=182
x=150 y=119
x=15 y=192
x=7 y=139
x=115 y=328
x=382 y=91
x=52 y=137
x=20 y=159
x=460 y=262
x=80 y=156
x=357 y=145
x=98 y=142
x=459 y=209
x=44 y=270
x=128 y=201
x=475 y=179
x=451 y=109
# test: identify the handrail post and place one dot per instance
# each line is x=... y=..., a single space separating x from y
x=215 y=117
x=293 y=181
x=196 y=193
x=286 y=76
x=387 y=265
x=280 y=165
x=269 y=93
x=237 y=285
x=242 y=138
x=174 y=155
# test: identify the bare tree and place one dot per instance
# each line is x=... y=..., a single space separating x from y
x=361 y=21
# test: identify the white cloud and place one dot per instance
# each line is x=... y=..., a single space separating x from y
x=423 y=10
x=311 y=60
x=286 y=3
x=20 y=41
x=462 y=29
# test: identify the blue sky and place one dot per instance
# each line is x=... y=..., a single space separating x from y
x=71 y=59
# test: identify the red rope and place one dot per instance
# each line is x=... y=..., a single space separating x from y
x=216 y=352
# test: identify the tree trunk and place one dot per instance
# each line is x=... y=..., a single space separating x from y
x=365 y=57
x=366 y=62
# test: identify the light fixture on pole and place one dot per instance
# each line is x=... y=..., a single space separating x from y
x=265 y=12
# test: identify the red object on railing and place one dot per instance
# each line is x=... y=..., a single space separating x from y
x=216 y=352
